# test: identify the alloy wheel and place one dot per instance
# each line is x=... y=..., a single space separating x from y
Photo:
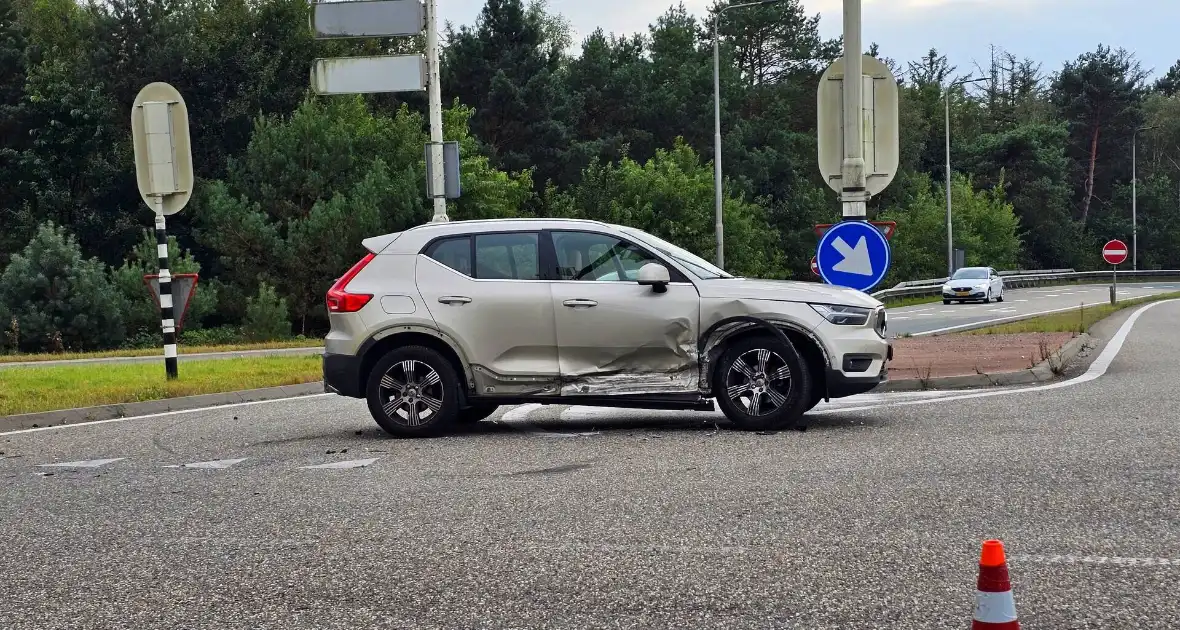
x=411 y=393
x=758 y=382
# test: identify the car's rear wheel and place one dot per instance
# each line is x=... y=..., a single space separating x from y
x=762 y=384
x=413 y=392
x=476 y=412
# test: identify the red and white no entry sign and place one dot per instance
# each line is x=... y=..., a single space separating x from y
x=1114 y=252
x=814 y=266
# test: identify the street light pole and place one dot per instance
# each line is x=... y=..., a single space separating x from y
x=1135 y=198
x=950 y=243
x=719 y=219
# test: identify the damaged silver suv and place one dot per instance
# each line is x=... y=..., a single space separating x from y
x=445 y=322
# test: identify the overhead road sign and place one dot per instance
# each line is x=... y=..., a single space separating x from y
x=367 y=18
x=888 y=228
x=1114 y=252
x=369 y=75
x=879 y=119
x=853 y=254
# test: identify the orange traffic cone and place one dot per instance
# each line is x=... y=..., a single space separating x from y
x=994 y=607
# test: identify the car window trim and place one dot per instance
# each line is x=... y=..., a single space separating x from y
x=470 y=236
x=677 y=275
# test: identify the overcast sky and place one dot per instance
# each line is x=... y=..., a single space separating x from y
x=1049 y=31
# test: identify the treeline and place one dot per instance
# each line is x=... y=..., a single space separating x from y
x=289 y=184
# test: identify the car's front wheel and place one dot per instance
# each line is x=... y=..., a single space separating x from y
x=413 y=392
x=762 y=384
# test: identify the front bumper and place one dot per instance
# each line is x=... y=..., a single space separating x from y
x=342 y=375
x=854 y=379
x=858 y=359
x=969 y=295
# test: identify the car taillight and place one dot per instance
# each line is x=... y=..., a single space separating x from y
x=341 y=301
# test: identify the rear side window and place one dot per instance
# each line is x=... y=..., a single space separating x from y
x=507 y=256
x=453 y=252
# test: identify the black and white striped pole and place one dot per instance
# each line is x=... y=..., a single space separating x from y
x=167 y=313
x=164 y=173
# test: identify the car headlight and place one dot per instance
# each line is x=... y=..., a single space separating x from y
x=981 y=287
x=843 y=315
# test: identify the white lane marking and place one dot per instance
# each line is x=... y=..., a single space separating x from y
x=897 y=318
x=166 y=414
x=89 y=463
x=356 y=463
x=1117 y=560
x=1097 y=369
x=214 y=465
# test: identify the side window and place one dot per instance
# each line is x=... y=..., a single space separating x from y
x=453 y=252
x=598 y=257
x=507 y=256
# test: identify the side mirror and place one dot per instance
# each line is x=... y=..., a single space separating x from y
x=656 y=276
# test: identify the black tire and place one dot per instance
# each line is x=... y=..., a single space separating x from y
x=945 y=302
x=787 y=411
x=476 y=413
x=816 y=397
x=987 y=299
x=1001 y=297
x=428 y=393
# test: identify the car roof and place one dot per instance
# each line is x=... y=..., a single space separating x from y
x=413 y=239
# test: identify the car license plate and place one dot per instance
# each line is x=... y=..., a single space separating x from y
x=962 y=292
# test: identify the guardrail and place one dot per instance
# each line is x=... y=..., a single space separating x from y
x=1021 y=279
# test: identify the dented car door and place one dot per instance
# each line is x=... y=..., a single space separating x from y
x=614 y=336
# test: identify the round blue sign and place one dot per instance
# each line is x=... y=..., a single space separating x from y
x=853 y=254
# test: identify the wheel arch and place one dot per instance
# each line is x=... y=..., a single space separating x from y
x=386 y=340
x=729 y=330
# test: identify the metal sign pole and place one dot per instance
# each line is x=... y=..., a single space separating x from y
x=434 y=96
x=167 y=313
x=854 y=194
x=1114 y=284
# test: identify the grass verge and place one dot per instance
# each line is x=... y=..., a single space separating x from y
x=148 y=352
x=912 y=301
x=68 y=386
x=1078 y=320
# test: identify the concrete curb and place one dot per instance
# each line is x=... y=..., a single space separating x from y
x=1042 y=372
x=109 y=412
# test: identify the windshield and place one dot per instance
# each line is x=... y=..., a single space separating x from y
x=696 y=265
x=970 y=274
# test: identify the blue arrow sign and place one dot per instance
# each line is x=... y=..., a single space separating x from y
x=853 y=254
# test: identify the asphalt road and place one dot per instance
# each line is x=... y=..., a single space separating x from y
x=937 y=317
x=584 y=518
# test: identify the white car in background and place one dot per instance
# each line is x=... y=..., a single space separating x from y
x=974 y=283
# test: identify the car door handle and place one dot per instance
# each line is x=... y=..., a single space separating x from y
x=454 y=299
x=580 y=303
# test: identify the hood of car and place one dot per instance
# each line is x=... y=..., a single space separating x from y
x=784 y=290
x=965 y=282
